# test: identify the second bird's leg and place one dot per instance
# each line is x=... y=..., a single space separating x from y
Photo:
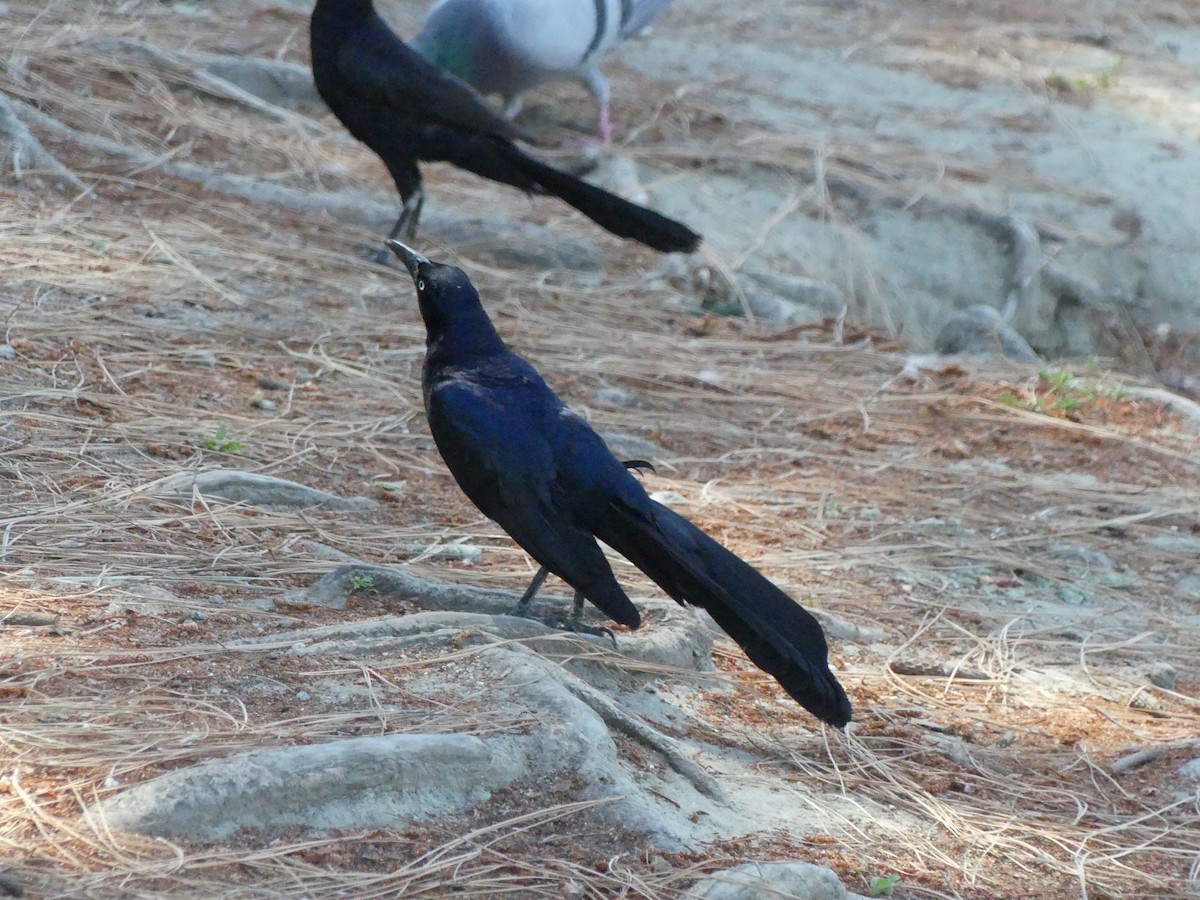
x=574 y=622
x=410 y=215
x=530 y=592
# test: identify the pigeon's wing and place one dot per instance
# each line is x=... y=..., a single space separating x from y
x=639 y=14
x=388 y=73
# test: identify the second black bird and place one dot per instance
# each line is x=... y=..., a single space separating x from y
x=406 y=109
x=539 y=471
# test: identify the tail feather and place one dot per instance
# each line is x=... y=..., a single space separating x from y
x=606 y=595
x=778 y=635
x=613 y=213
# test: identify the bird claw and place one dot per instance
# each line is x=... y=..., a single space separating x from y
x=566 y=623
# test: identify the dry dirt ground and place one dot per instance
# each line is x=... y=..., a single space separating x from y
x=1008 y=557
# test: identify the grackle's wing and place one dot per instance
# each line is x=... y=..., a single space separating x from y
x=386 y=72
x=493 y=441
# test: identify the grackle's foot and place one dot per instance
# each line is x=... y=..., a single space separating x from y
x=567 y=623
x=573 y=623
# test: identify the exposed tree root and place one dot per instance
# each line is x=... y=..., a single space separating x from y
x=23 y=153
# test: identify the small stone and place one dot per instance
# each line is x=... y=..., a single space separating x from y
x=611 y=396
x=774 y=879
x=630 y=446
x=303 y=696
x=981 y=332
x=200 y=357
x=668 y=498
x=1161 y=674
x=264 y=404
x=1118 y=581
x=8 y=351
x=1072 y=596
x=267 y=383
x=1190 y=583
x=195 y=615
x=1075 y=553
x=1190 y=771
x=1176 y=543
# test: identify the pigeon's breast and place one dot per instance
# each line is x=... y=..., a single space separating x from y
x=549 y=37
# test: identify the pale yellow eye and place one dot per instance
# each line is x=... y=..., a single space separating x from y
x=421 y=285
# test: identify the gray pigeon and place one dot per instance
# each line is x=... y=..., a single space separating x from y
x=506 y=47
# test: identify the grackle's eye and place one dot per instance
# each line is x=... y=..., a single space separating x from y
x=421 y=285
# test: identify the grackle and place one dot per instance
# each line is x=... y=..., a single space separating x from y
x=537 y=469
x=406 y=109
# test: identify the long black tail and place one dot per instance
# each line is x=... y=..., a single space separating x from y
x=610 y=212
x=778 y=635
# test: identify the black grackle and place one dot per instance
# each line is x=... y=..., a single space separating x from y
x=406 y=109
x=538 y=470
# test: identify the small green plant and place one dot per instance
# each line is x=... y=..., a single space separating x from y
x=1057 y=81
x=716 y=306
x=1103 y=80
x=1055 y=392
x=220 y=441
x=881 y=885
x=362 y=582
x=1054 y=381
x=1066 y=404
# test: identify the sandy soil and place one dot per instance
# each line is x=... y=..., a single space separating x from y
x=1008 y=557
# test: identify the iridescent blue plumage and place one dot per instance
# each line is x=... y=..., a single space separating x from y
x=542 y=473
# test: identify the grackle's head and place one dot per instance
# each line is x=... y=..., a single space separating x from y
x=449 y=302
x=440 y=288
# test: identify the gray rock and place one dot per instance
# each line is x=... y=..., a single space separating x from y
x=789 y=299
x=1189 y=584
x=256 y=490
x=267 y=383
x=198 y=356
x=981 y=332
x=1190 y=770
x=367 y=782
x=8 y=351
x=839 y=629
x=1176 y=543
x=668 y=498
x=758 y=881
x=1160 y=674
x=282 y=83
x=1075 y=553
x=629 y=446
x=611 y=396
x=1071 y=595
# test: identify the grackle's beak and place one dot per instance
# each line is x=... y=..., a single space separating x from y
x=411 y=258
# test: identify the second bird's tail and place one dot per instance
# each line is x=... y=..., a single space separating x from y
x=778 y=635
x=616 y=214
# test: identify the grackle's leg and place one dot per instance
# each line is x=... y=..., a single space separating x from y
x=575 y=621
x=530 y=592
x=540 y=578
